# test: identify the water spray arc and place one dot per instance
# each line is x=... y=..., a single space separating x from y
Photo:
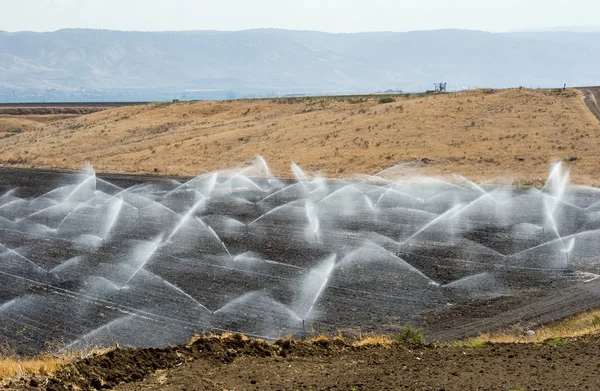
x=241 y=250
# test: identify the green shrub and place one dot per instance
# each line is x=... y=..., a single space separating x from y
x=408 y=334
x=386 y=99
x=354 y=101
x=477 y=344
x=596 y=320
x=557 y=341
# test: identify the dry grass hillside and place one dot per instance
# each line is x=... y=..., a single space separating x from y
x=482 y=134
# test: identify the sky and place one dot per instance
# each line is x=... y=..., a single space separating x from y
x=336 y=16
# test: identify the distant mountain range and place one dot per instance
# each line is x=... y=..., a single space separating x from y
x=115 y=65
x=578 y=29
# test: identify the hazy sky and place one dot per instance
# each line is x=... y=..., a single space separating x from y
x=322 y=15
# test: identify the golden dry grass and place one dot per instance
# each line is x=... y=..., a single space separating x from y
x=373 y=340
x=587 y=323
x=223 y=336
x=479 y=134
x=11 y=367
x=45 y=364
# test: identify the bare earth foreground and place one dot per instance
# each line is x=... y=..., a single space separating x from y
x=482 y=134
x=237 y=364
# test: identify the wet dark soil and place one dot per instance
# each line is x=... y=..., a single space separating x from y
x=235 y=363
x=348 y=304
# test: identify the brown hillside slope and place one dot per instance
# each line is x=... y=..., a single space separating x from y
x=480 y=134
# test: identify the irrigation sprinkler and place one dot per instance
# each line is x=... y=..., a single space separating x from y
x=339 y=263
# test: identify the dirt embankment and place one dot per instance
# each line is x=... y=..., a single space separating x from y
x=481 y=134
x=235 y=363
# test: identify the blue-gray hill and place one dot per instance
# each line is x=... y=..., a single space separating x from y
x=143 y=65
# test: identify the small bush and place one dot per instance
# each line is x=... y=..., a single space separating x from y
x=557 y=341
x=477 y=344
x=386 y=99
x=408 y=334
x=354 y=101
x=596 y=320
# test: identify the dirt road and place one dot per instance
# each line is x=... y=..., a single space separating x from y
x=592 y=99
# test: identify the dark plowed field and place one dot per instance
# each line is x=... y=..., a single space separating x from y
x=91 y=260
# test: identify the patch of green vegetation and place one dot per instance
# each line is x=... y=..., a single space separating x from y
x=386 y=99
x=477 y=344
x=596 y=320
x=409 y=334
x=557 y=341
x=353 y=101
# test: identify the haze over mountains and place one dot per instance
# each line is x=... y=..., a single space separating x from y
x=113 y=65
